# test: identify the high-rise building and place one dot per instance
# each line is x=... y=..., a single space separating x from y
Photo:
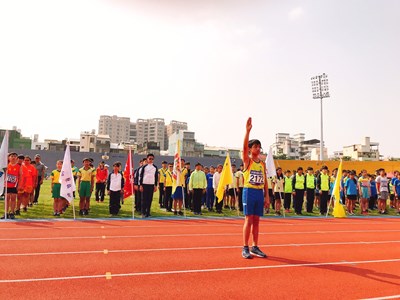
x=171 y=128
x=118 y=128
x=151 y=130
x=175 y=126
x=189 y=146
x=296 y=147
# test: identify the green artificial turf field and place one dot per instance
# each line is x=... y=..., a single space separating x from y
x=44 y=209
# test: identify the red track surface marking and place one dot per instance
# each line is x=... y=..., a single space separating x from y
x=357 y=260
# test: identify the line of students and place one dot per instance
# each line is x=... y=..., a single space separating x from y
x=372 y=191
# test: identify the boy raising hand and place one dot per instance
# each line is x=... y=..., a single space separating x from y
x=255 y=193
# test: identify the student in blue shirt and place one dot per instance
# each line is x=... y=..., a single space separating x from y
x=374 y=193
x=210 y=190
x=396 y=186
x=342 y=182
x=351 y=192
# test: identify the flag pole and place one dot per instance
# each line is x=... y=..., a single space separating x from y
x=73 y=208
x=282 y=206
x=131 y=180
x=236 y=202
x=183 y=200
x=5 y=195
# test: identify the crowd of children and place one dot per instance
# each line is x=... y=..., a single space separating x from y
x=296 y=191
x=23 y=178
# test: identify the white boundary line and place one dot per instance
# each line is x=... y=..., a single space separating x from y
x=202 y=270
x=192 y=248
x=383 y=298
x=197 y=234
x=263 y=223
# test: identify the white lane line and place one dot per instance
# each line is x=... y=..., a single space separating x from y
x=383 y=298
x=336 y=263
x=263 y=223
x=191 y=248
x=197 y=234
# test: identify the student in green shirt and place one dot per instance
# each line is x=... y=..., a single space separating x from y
x=323 y=184
x=299 y=186
x=288 y=189
x=310 y=189
x=197 y=186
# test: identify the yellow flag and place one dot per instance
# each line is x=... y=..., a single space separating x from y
x=226 y=178
x=338 y=209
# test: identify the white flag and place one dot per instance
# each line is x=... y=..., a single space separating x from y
x=271 y=170
x=66 y=177
x=3 y=161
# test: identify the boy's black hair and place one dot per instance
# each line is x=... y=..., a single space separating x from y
x=117 y=164
x=299 y=168
x=310 y=169
x=254 y=142
x=150 y=155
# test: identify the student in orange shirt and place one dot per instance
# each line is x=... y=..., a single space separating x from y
x=13 y=179
x=28 y=183
x=101 y=178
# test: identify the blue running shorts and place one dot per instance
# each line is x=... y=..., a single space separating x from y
x=253 y=202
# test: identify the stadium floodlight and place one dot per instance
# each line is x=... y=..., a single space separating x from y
x=320 y=90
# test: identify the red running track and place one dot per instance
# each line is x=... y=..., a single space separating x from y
x=165 y=259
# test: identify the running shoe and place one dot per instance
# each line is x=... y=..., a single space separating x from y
x=246 y=252
x=257 y=252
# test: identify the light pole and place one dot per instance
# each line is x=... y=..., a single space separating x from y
x=320 y=90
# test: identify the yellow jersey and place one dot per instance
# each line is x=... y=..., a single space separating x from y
x=254 y=175
x=168 y=178
x=86 y=175
x=55 y=176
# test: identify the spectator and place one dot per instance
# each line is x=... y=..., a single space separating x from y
x=168 y=188
x=288 y=188
x=299 y=185
x=101 y=178
x=383 y=191
x=161 y=183
x=56 y=188
x=323 y=185
x=310 y=189
x=86 y=176
x=138 y=194
x=13 y=179
x=278 y=187
x=148 y=180
x=115 y=187
x=216 y=179
x=29 y=182
x=40 y=168
x=210 y=189
x=197 y=187
x=351 y=192
x=365 y=191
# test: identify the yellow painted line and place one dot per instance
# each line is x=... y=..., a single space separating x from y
x=105 y=251
x=108 y=275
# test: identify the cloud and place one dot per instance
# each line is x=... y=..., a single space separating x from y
x=296 y=13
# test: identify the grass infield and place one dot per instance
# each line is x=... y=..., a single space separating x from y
x=44 y=209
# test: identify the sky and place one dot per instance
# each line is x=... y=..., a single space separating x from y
x=210 y=63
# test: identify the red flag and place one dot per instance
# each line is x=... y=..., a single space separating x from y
x=128 y=176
